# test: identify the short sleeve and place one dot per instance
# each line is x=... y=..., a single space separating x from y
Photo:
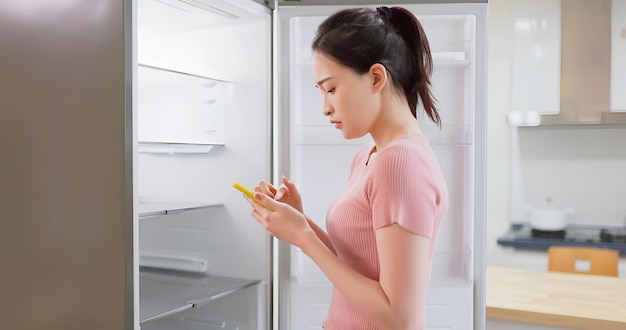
x=404 y=189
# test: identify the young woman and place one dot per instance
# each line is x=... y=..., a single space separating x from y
x=372 y=66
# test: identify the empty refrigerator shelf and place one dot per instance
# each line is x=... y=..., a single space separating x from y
x=191 y=324
x=194 y=324
x=451 y=62
x=170 y=208
x=163 y=293
x=175 y=147
x=173 y=262
x=168 y=74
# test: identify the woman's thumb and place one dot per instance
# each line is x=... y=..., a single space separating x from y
x=287 y=183
x=281 y=192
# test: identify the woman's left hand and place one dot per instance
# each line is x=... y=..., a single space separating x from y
x=285 y=222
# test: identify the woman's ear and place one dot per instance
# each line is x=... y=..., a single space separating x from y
x=378 y=74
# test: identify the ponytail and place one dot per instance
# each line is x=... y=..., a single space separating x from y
x=412 y=32
x=393 y=37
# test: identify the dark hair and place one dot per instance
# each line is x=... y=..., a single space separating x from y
x=359 y=38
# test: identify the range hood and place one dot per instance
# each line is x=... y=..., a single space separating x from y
x=585 y=66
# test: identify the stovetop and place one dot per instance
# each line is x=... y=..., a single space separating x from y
x=577 y=234
x=522 y=236
x=613 y=235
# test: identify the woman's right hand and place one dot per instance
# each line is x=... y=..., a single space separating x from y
x=286 y=192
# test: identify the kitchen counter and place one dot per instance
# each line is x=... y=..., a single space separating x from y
x=556 y=299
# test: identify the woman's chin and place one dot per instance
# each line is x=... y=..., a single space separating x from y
x=351 y=135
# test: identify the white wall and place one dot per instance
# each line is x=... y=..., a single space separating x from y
x=580 y=167
x=583 y=168
x=499 y=133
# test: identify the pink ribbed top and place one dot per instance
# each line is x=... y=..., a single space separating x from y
x=403 y=184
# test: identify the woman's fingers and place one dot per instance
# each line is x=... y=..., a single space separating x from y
x=256 y=212
x=266 y=188
x=290 y=185
x=282 y=190
x=285 y=188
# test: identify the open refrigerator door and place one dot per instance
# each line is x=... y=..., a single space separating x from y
x=202 y=121
x=317 y=158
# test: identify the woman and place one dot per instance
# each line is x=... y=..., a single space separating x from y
x=372 y=66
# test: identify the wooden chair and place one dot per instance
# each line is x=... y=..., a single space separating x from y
x=583 y=260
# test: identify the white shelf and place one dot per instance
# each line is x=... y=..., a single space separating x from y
x=324 y=135
x=451 y=63
x=328 y=135
x=452 y=268
x=164 y=293
x=453 y=59
x=155 y=147
x=154 y=76
x=154 y=209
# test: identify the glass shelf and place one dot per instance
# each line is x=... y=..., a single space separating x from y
x=324 y=135
x=451 y=63
x=150 y=76
x=194 y=324
x=327 y=135
x=454 y=59
x=163 y=293
x=155 y=147
x=439 y=59
x=154 y=209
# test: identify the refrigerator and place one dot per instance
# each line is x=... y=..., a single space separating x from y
x=124 y=124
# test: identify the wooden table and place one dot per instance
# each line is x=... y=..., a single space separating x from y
x=556 y=299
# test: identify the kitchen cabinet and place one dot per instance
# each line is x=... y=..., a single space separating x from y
x=537 y=260
x=618 y=55
x=536 y=56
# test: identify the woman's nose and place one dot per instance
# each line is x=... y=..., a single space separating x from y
x=328 y=109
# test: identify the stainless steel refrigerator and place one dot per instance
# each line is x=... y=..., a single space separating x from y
x=124 y=123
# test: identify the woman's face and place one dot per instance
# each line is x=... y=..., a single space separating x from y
x=350 y=99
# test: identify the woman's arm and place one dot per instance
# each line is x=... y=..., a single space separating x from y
x=397 y=300
x=321 y=234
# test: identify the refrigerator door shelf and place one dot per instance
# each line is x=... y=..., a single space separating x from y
x=320 y=135
x=441 y=61
x=452 y=269
x=163 y=293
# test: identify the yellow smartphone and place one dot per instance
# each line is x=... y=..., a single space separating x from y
x=249 y=193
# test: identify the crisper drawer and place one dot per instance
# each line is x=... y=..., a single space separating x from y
x=236 y=311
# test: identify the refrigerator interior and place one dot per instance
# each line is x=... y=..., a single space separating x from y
x=203 y=121
x=452 y=41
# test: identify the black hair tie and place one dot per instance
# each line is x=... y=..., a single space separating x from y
x=385 y=12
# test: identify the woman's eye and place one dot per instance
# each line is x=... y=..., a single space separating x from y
x=330 y=91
